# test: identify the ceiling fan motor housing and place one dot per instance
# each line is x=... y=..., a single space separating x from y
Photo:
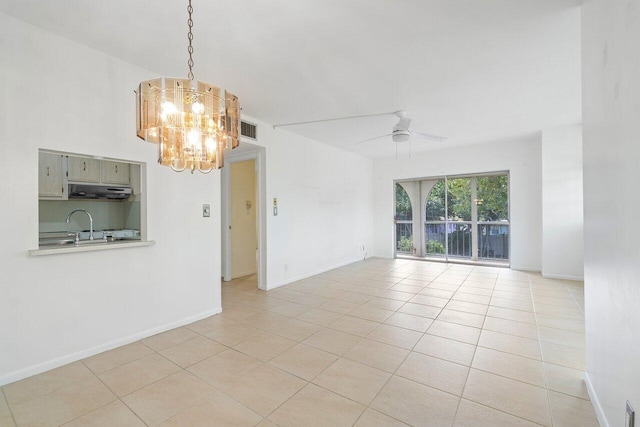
x=400 y=135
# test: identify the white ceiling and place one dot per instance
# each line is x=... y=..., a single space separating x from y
x=471 y=70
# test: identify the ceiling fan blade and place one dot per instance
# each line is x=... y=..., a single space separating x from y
x=373 y=139
x=429 y=136
x=333 y=119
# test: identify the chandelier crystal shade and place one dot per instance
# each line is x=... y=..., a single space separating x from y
x=192 y=122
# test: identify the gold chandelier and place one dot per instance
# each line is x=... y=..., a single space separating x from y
x=191 y=121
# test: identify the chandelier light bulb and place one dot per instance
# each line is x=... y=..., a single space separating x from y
x=194 y=137
x=211 y=144
x=169 y=108
x=197 y=108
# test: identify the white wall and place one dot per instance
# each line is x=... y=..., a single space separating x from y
x=562 y=203
x=244 y=239
x=611 y=134
x=54 y=309
x=520 y=158
x=325 y=199
x=324 y=217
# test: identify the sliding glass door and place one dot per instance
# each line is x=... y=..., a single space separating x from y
x=435 y=224
x=492 y=203
x=459 y=218
x=462 y=218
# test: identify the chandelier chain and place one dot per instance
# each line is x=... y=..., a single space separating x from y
x=190 y=37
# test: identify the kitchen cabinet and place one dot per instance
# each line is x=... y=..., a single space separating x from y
x=50 y=176
x=115 y=172
x=83 y=169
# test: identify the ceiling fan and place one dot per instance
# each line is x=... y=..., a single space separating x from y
x=399 y=133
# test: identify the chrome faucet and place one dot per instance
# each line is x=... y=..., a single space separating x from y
x=90 y=221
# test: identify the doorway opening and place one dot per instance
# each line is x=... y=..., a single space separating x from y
x=244 y=218
x=454 y=218
x=244 y=235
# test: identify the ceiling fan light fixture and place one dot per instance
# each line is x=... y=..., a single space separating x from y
x=400 y=136
x=192 y=122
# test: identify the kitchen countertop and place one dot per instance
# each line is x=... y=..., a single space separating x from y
x=84 y=246
x=65 y=249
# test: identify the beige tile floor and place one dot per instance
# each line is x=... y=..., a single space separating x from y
x=379 y=342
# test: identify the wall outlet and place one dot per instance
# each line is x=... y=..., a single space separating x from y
x=630 y=416
x=206 y=211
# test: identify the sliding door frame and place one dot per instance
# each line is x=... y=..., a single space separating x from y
x=419 y=251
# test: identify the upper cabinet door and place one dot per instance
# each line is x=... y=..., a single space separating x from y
x=50 y=183
x=115 y=172
x=83 y=169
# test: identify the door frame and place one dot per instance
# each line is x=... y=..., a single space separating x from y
x=259 y=155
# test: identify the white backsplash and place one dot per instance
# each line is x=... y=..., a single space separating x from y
x=106 y=214
x=132 y=215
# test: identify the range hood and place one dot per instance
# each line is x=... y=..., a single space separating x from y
x=92 y=191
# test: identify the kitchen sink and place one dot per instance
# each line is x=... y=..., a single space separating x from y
x=56 y=242
x=64 y=238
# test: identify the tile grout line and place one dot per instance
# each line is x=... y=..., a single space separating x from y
x=524 y=382
x=389 y=379
x=555 y=364
x=308 y=382
x=320 y=373
x=4 y=396
x=392 y=374
x=116 y=396
x=544 y=373
x=73 y=383
x=196 y=376
x=506 y=413
x=475 y=349
x=181 y=369
x=516 y=416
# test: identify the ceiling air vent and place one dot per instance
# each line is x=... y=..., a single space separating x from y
x=249 y=130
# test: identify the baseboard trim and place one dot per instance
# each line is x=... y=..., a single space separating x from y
x=597 y=408
x=307 y=275
x=528 y=269
x=82 y=354
x=563 y=277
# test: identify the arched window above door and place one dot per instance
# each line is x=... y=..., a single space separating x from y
x=403 y=204
x=403 y=221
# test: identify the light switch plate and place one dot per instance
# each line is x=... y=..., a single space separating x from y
x=206 y=211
